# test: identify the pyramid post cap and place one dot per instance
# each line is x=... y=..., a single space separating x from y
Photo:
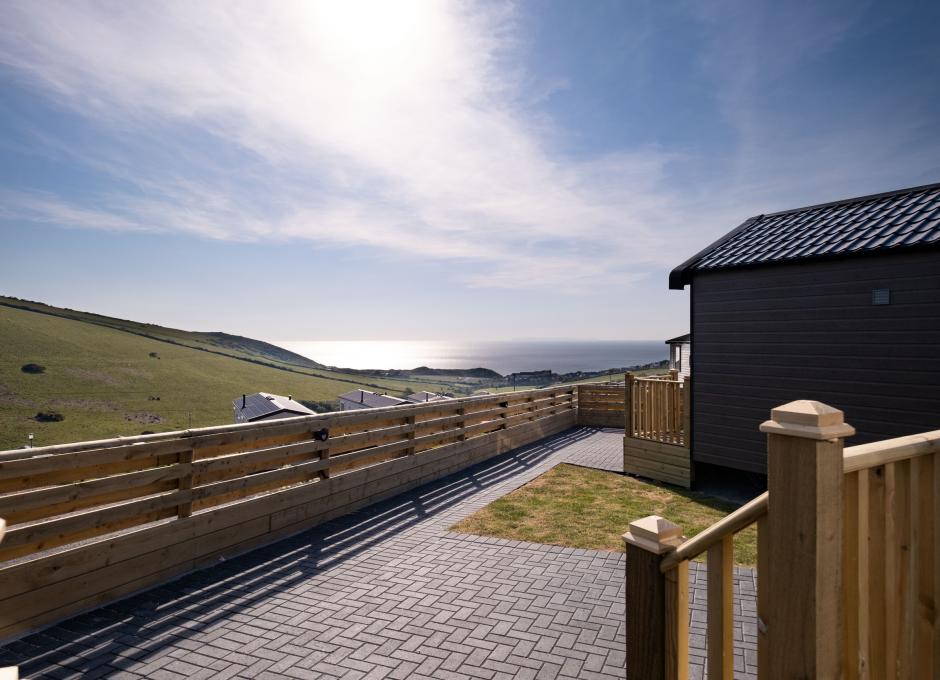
x=654 y=534
x=808 y=419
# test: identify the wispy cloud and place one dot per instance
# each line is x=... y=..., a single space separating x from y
x=398 y=126
x=37 y=206
x=413 y=128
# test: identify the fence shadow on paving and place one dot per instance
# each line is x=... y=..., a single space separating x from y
x=125 y=633
x=91 y=522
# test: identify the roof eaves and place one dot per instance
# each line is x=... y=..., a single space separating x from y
x=679 y=277
x=685 y=337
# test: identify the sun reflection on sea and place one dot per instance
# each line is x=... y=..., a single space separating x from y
x=378 y=354
x=502 y=356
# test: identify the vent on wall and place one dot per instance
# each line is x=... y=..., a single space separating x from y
x=881 y=296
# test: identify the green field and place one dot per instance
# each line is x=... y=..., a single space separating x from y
x=105 y=383
x=615 y=377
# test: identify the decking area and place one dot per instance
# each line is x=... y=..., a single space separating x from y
x=388 y=592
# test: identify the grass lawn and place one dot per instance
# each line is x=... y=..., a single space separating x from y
x=585 y=508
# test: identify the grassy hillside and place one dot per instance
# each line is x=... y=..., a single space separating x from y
x=105 y=383
x=221 y=343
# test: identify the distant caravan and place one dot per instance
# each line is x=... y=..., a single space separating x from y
x=251 y=408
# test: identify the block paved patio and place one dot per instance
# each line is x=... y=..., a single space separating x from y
x=389 y=592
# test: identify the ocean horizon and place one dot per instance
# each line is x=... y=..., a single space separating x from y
x=510 y=356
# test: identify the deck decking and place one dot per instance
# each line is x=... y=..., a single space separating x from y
x=388 y=592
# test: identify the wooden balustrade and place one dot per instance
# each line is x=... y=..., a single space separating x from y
x=658 y=408
x=656 y=439
x=671 y=571
x=90 y=522
x=848 y=555
x=891 y=561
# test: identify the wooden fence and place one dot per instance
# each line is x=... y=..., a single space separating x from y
x=601 y=405
x=7 y=672
x=92 y=522
x=658 y=410
x=848 y=562
x=656 y=440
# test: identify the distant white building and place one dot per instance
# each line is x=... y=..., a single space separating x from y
x=680 y=354
x=360 y=399
x=263 y=406
x=424 y=396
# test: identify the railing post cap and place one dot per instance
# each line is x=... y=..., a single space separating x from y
x=807 y=419
x=654 y=534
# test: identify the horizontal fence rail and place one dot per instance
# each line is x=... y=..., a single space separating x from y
x=601 y=405
x=161 y=505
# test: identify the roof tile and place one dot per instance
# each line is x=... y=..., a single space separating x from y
x=899 y=219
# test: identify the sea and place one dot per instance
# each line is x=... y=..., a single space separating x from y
x=510 y=356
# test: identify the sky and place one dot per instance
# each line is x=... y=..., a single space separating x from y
x=434 y=170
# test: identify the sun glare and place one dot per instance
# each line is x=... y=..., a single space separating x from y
x=376 y=37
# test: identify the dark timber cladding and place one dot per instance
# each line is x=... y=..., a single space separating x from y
x=838 y=302
x=769 y=335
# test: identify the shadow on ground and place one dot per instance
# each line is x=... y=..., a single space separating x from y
x=125 y=634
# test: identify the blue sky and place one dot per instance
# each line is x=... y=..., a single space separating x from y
x=431 y=170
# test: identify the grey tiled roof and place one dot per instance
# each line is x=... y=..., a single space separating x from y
x=899 y=219
x=262 y=404
x=425 y=396
x=371 y=399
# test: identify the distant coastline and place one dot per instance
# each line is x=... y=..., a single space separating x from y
x=503 y=357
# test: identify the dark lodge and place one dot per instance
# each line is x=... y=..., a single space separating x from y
x=837 y=302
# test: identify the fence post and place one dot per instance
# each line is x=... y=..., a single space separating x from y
x=657 y=604
x=462 y=424
x=805 y=479
x=628 y=404
x=687 y=413
x=185 y=460
x=580 y=420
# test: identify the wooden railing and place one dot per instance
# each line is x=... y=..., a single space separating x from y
x=891 y=564
x=848 y=562
x=657 y=436
x=659 y=408
x=601 y=405
x=93 y=521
